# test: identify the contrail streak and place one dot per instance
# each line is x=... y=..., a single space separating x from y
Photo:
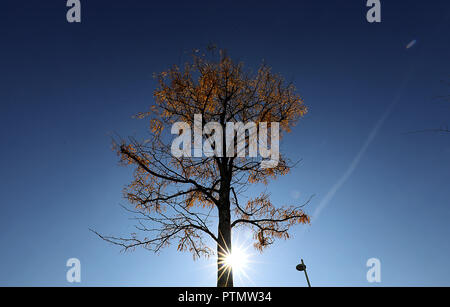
x=324 y=202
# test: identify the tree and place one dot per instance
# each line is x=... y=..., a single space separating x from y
x=175 y=199
x=447 y=99
x=444 y=129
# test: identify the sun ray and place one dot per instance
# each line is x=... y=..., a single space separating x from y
x=240 y=260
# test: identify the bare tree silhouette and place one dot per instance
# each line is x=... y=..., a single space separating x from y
x=443 y=128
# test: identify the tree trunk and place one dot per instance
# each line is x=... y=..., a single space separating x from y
x=224 y=272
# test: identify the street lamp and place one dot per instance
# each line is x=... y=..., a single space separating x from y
x=302 y=267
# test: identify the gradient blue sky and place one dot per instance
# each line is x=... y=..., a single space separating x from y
x=380 y=192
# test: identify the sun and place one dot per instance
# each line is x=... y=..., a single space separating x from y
x=237 y=260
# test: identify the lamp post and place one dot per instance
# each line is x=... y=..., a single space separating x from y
x=302 y=267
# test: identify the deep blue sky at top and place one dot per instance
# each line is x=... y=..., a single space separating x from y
x=64 y=88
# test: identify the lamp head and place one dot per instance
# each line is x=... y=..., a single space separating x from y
x=301 y=267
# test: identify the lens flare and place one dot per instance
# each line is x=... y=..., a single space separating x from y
x=238 y=260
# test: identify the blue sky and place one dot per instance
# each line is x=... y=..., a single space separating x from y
x=65 y=88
